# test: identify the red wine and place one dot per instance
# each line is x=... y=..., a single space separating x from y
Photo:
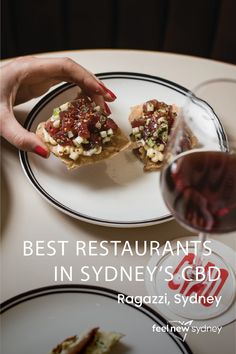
x=200 y=190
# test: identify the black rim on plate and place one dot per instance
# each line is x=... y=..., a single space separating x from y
x=103 y=76
x=96 y=290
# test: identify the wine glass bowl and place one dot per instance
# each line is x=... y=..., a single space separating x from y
x=198 y=178
x=198 y=183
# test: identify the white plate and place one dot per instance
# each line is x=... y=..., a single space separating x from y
x=34 y=322
x=112 y=193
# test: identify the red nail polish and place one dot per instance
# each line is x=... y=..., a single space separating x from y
x=113 y=96
x=107 y=109
x=41 y=151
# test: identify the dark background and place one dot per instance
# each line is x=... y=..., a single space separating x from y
x=203 y=28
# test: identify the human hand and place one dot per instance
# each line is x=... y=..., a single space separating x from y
x=28 y=77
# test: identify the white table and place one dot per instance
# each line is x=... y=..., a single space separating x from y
x=23 y=209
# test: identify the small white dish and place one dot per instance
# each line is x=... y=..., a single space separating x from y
x=36 y=321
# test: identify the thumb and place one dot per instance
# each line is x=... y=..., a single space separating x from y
x=22 y=139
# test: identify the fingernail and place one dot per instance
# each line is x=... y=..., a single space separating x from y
x=39 y=150
x=113 y=96
x=107 y=109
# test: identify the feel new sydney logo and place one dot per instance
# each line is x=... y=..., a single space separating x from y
x=180 y=329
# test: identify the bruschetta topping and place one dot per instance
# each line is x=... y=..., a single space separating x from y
x=81 y=125
x=150 y=131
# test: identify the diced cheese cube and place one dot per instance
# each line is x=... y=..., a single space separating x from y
x=70 y=134
x=60 y=150
x=77 y=141
x=160 y=147
x=89 y=152
x=103 y=134
x=54 y=118
x=105 y=140
x=135 y=130
x=64 y=106
x=110 y=132
x=74 y=155
x=141 y=142
x=150 y=107
x=98 y=125
x=150 y=152
x=157 y=157
x=56 y=123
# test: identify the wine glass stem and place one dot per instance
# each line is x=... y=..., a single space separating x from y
x=198 y=259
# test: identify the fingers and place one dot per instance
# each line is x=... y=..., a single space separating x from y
x=12 y=131
x=37 y=75
x=85 y=79
x=28 y=77
x=100 y=102
x=68 y=70
x=65 y=69
x=91 y=85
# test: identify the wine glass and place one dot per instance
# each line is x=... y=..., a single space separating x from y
x=198 y=182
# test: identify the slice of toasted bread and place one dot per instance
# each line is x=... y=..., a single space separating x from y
x=120 y=143
x=148 y=148
x=75 y=345
x=76 y=155
x=103 y=342
x=93 y=342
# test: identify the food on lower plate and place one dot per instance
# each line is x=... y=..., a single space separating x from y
x=151 y=124
x=93 y=342
x=80 y=132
